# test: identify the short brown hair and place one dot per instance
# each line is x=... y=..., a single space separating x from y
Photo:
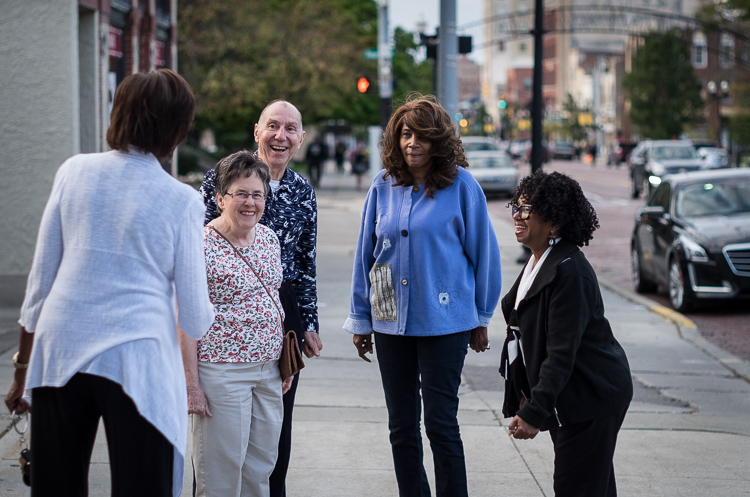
x=429 y=121
x=152 y=112
x=242 y=164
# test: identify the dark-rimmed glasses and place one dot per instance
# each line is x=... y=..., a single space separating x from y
x=524 y=210
x=242 y=196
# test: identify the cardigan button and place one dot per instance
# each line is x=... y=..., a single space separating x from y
x=404 y=282
x=404 y=233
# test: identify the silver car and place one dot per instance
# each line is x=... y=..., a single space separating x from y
x=713 y=158
x=494 y=171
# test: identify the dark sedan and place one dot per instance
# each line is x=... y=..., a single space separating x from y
x=561 y=149
x=693 y=238
x=652 y=159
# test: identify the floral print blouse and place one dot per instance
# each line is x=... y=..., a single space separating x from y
x=248 y=326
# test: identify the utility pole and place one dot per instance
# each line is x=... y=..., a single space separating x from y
x=537 y=103
x=448 y=58
x=385 y=72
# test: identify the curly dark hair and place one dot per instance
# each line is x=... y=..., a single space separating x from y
x=429 y=121
x=558 y=198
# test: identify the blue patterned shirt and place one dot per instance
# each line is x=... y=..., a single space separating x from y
x=292 y=213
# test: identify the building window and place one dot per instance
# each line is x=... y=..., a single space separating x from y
x=726 y=55
x=527 y=84
x=699 y=50
x=522 y=47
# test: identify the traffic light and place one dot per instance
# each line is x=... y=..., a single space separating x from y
x=363 y=85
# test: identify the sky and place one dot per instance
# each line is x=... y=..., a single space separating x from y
x=406 y=13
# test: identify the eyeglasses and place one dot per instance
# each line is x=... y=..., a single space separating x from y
x=242 y=196
x=524 y=210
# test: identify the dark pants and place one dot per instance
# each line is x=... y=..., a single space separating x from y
x=583 y=457
x=432 y=364
x=63 y=431
x=292 y=321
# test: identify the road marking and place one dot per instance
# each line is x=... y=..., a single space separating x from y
x=595 y=198
x=674 y=316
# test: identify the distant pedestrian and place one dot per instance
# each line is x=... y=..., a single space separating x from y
x=339 y=154
x=565 y=371
x=426 y=281
x=360 y=163
x=233 y=380
x=292 y=213
x=317 y=153
x=118 y=262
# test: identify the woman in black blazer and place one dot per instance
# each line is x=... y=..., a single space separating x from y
x=564 y=370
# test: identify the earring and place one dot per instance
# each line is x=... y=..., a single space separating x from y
x=551 y=238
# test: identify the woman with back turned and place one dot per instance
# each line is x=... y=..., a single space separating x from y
x=118 y=265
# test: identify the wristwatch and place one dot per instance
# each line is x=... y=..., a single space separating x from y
x=19 y=365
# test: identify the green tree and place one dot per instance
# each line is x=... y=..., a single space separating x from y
x=571 y=126
x=409 y=73
x=664 y=92
x=240 y=54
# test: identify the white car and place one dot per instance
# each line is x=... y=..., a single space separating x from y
x=713 y=158
x=494 y=171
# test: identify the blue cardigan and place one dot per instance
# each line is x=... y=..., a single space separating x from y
x=424 y=266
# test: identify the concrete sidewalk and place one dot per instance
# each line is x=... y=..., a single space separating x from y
x=687 y=432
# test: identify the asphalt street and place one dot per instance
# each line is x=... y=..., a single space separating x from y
x=687 y=432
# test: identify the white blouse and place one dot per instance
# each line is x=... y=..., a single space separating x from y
x=120 y=248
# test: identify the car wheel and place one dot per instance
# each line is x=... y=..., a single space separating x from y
x=678 y=287
x=640 y=283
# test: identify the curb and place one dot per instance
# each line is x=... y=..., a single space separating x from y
x=687 y=330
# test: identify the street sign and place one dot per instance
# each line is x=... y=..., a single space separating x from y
x=371 y=54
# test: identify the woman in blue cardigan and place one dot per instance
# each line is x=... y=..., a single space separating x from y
x=426 y=282
x=565 y=371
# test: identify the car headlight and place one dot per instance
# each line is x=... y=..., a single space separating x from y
x=658 y=169
x=693 y=251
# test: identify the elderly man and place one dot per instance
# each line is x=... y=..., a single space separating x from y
x=291 y=211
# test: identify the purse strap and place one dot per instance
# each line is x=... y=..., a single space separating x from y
x=239 y=254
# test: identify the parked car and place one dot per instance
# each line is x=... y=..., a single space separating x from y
x=517 y=149
x=474 y=143
x=693 y=238
x=652 y=159
x=620 y=152
x=561 y=149
x=494 y=171
x=545 y=153
x=713 y=158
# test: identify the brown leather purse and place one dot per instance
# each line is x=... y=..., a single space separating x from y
x=290 y=362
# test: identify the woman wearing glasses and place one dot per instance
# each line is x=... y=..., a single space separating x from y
x=426 y=282
x=233 y=381
x=564 y=370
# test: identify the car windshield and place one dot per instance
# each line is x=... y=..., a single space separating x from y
x=472 y=146
x=714 y=199
x=673 y=152
x=492 y=161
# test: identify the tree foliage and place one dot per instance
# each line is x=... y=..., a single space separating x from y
x=410 y=74
x=571 y=126
x=240 y=54
x=664 y=92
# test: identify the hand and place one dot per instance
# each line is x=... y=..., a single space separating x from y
x=14 y=399
x=364 y=345
x=312 y=344
x=286 y=385
x=522 y=430
x=197 y=402
x=479 y=341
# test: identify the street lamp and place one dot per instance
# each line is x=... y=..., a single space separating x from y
x=716 y=92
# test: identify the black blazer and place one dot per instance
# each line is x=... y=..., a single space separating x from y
x=576 y=369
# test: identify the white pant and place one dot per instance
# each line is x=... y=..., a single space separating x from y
x=234 y=450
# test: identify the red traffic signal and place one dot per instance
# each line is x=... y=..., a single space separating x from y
x=363 y=84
